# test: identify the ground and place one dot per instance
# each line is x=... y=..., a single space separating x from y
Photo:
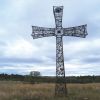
x=45 y=91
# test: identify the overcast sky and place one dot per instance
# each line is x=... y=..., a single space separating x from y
x=20 y=54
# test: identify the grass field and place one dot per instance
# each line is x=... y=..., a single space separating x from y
x=20 y=91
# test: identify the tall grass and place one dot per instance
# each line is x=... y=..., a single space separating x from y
x=21 y=91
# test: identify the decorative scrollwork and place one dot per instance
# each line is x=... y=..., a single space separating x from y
x=39 y=32
x=78 y=31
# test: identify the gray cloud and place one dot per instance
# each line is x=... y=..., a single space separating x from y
x=92 y=60
x=20 y=60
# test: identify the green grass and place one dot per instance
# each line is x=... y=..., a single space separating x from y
x=20 y=91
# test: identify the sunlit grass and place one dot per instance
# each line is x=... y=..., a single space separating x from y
x=21 y=91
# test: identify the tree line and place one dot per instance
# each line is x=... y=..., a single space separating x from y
x=48 y=79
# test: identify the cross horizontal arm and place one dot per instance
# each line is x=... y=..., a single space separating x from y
x=39 y=32
x=78 y=31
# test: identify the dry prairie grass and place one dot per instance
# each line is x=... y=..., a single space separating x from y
x=20 y=91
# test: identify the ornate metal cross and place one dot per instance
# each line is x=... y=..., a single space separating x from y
x=59 y=32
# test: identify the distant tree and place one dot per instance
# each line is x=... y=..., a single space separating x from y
x=35 y=73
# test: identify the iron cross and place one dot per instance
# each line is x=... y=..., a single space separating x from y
x=59 y=32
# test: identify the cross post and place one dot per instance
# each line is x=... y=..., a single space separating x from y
x=59 y=32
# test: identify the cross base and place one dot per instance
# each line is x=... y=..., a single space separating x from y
x=60 y=89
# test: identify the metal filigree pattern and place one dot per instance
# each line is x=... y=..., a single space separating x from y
x=39 y=32
x=59 y=57
x=58 y=12
x=59 y=32
x=78 y=31
x=60 y=88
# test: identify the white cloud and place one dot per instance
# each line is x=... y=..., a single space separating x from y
x=82 y=46
x=2 y=32
x=20 y=48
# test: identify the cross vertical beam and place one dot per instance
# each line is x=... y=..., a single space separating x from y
x=60 y=88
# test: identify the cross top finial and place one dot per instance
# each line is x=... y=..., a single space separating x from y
x=58 y=12
x=58 y=9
